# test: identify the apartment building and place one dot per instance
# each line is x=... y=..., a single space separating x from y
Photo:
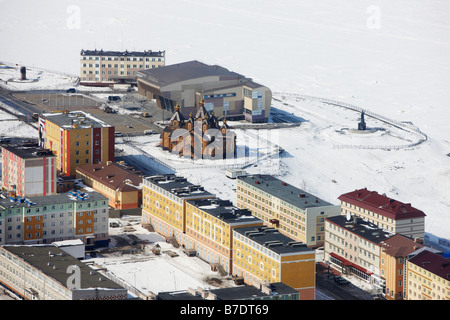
x=226 y=93
x=352 y=245
x=49 y=273
x=393 y=256
x=209 y=229
x=428 y=276
x=263 y=255
x=76 y=138
x=385 y=212
x=104 y=68
x=121 y=184
x=272 y=291
x=46 y=219
x=164 y=203
x=296 y=213
x=28 y=170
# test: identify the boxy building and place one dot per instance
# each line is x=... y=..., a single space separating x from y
x=385 y=212
x=49 y=273
x=226 y=93
x=77 y=138
x=28 y=170
x=262 y=255
x=46 y=219
x=296 y=213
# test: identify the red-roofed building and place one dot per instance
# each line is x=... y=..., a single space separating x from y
x=387 y=213
x=428 y=277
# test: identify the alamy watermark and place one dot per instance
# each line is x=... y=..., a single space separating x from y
x=373 y=21
x=73 y=21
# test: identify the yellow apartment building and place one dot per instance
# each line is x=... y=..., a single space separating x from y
x=209 y=229
x=294 y=212
x=263 y=255
x=428 y=276
x=76 y=138
x=164 y=203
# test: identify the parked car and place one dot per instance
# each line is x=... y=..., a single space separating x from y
x=71 y=90
x=341 y=281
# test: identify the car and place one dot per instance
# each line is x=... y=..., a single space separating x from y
x=118 y=134
x=341 y=281
x=71 y=90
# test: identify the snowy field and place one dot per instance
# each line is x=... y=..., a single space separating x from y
x=388 y=57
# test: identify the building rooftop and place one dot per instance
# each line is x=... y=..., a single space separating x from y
x=75 y=120
x=399 y=246
x=361 y=228
x=61 y=198
x=284 y=191
x=116 y=176
x=244 y=292
x=28 y=151
x=186 y=71
x=381 y=204
x=272 y=239
x=54 y=262
x=224 y=210
x=433 y=262
x=126 y=53
x=178 y=186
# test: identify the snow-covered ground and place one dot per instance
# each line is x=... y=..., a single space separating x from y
x=388 y=57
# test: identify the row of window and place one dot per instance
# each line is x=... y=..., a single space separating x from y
x=122 y=59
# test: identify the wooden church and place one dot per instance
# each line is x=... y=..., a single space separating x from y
x=199 y=137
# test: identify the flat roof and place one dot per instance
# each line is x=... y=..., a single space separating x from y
x=126 y=53
x=243 y=292
x=186 y=71
x=61 y=198
x=224 y=210
x=28 y=151
x=178 y=186
x=284 y=191
x=75 y=120
x=54 y=262
x=272 y=239
x=361 y=228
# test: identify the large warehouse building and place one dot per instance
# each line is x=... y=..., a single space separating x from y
x=226 y=93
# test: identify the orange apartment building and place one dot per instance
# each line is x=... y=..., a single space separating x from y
x=393 y=256
x=262 y=255
x=28 y=170
x=76 y=138
x=120 y=183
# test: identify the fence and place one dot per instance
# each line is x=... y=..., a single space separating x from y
x=401 y=125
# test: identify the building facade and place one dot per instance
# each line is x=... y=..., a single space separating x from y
x=76 y=138
x=387 y=213
x=352 y=245
x=296 y=213
x=164 y=203
x=46 y=219
x=393 y=257
x=428 y=276
x=28 y=170
x=226 y=93
x=209 y=229
x=49 y=273
x=121 y=184
x=262 y=255
x=103 y=68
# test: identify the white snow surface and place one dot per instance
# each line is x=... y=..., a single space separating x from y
x=388 y=57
